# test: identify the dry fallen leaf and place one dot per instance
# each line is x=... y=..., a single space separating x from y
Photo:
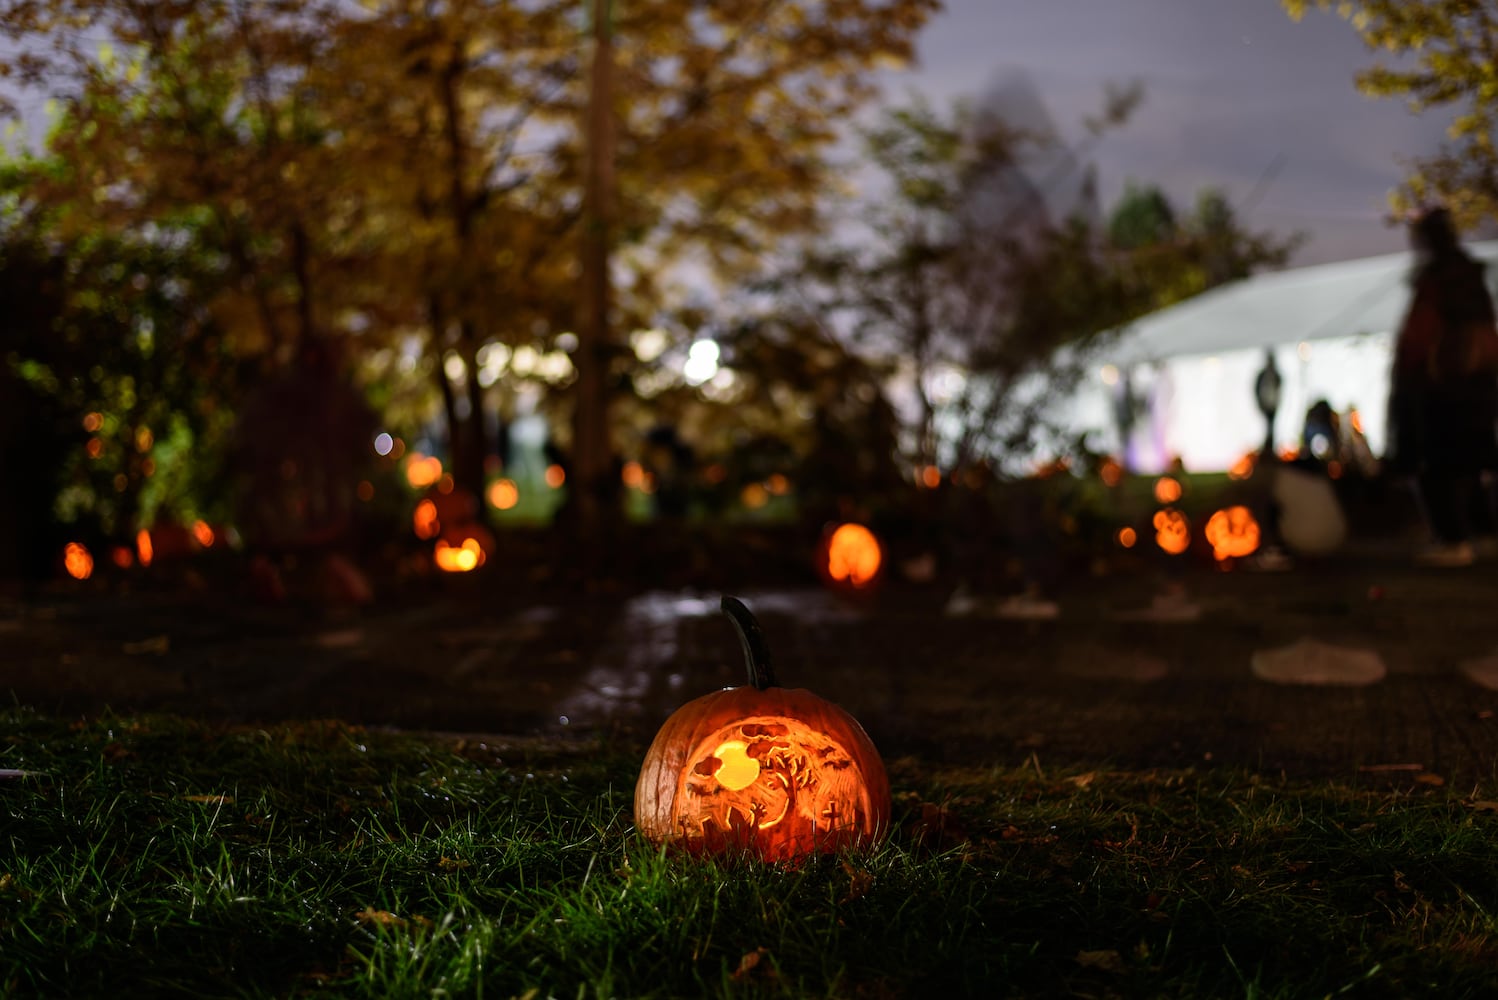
x=157 y=644
x=1430 y=779
x=1485 y=806
x=749 y=965
x=859 y=883
x=1083 y=780
x=218 y=800
x=1106 y=960
x=452 y=864
x=381 y=918
x=937 y=827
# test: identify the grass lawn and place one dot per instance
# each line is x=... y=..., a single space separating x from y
x=154 y=856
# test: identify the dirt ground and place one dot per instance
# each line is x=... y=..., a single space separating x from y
x=1098 y=685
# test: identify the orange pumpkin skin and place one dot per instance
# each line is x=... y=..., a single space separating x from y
x=777 y=773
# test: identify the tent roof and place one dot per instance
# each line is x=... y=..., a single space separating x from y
x=1344 y=299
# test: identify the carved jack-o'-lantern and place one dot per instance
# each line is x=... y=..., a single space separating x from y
x=1172 y=531
x=1233 y=533
x=850 y=557
x=776 y=772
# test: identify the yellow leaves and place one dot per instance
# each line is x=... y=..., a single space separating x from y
x=1102 y=960
x=753 y=965
x=384 y=918
x=378 y=918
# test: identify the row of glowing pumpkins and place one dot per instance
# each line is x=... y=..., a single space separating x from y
x=1233 y=532
x=169 y=539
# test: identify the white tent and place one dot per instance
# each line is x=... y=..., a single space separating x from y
x=1193 y=365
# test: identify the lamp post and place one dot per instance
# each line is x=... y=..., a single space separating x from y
x=1267 y=393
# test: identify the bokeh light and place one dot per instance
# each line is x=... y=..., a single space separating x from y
x=424 y=520
x=423 y=470
x=503 y=494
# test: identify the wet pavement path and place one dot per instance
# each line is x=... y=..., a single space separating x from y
x=1088 y=688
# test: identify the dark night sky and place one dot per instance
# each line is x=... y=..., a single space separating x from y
x=1229 y=86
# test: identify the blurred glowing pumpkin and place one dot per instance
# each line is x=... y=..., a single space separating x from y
x=1167 y=490
x=774 y=772
x=1233 y=533
x=1172 y=531
x=424 y=520
x=851 y=556
x=460 y=557
x=78 y=561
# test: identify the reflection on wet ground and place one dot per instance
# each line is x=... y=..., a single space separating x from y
x=1088 y=685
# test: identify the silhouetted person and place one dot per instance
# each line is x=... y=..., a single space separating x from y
x=1267 y=385
x=1444 y=397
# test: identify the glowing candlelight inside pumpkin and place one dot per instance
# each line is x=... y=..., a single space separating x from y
x=736 y=769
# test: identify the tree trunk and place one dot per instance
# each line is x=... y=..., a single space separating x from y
x=595 y=498
x=468 y=460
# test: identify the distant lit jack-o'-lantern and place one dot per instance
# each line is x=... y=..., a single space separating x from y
x=777 y=773
x=1172 y=531
x=850 y=557
x=1233 y=533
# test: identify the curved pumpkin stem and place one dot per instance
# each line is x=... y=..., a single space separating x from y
x=752 y=637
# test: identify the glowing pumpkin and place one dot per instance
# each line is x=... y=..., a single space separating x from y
x=1233 y=533
x=851 y=556
x=778 y=773
x=1172 y=531
x=78 y=561
x=459 y=558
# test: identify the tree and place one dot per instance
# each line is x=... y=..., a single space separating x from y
x=1143 y=216
x=1454 y=48
x=372 y=170
x=964 y=282
x=120 y=381
x=1166 y=256
x=985 y=297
